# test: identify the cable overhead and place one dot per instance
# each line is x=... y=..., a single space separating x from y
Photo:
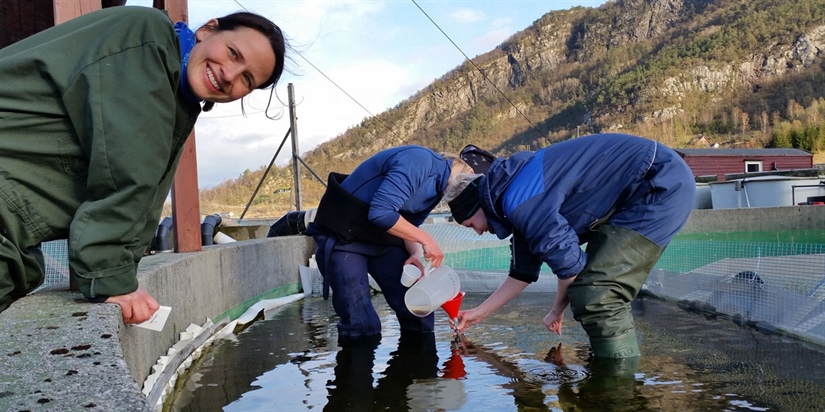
x=480 y=71
x=348 y=95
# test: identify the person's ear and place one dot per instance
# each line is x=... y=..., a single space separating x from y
x=206 y=29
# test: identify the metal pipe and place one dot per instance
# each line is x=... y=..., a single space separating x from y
x=296 y=167
x=793 y=190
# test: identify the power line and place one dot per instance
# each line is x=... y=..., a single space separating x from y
x=479 y=70
x=348 y=95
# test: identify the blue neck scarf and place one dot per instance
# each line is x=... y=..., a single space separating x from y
x=187 y=40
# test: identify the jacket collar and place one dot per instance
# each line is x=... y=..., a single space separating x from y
x=492 y=187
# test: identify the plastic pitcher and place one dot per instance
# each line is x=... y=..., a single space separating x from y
x=436 y=287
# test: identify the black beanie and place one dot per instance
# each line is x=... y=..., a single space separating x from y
x=465 y=205
x=478 y=159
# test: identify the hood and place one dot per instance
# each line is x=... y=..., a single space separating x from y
x=492 y=186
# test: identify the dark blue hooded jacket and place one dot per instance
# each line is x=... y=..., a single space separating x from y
x=406 y=180
x=549 y=200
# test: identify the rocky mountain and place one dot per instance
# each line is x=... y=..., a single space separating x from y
x=737 y=72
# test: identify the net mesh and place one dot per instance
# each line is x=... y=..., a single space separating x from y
x=779 y=285
x=56 y=257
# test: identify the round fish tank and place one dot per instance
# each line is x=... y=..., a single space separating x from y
x=765 y=191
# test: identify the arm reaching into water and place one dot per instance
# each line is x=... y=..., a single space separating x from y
x=509 y=289
x=555 y=317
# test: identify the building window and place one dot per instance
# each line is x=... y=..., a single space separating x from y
x=752 y=166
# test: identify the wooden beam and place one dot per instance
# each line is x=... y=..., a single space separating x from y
x=67 y=10
x=185 y=204
x=178 y=9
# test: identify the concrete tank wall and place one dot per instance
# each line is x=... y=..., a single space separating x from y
x=756 y=219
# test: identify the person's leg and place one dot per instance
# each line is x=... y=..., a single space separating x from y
x=20 y=273
x=622 y=254
x=351 y=296
x=619 y=262
x=352 y=389
x=386 y=270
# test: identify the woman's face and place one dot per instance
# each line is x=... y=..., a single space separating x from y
x=227 y=65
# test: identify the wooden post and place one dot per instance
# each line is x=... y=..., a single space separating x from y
x=67 y=10
x=185 y=204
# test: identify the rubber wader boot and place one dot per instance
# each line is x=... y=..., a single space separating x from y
x=624 y=346
x=619 y=262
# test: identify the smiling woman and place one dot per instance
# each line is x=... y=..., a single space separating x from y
x=234 y=55
x=93 y=116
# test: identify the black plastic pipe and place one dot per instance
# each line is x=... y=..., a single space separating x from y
x=161 y=241
x=208 y=229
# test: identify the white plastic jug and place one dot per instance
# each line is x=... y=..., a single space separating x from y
x=437 y=286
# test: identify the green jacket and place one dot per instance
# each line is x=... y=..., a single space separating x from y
x=91 y=129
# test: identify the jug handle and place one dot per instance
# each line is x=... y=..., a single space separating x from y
x=428 y=267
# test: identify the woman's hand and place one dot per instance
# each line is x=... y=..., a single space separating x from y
x=432 y=253
x=467 y=318
x=553 y=320
x=409 y=233
x=415 y=260
x=136 y=307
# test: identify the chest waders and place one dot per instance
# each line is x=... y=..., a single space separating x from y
x=619 y=262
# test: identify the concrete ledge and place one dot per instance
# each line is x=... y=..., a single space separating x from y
x=61 y=353
x=755 y=219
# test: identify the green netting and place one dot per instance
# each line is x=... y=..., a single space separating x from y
x=764 y=278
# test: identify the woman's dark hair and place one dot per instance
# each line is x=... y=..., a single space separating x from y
x=264 y=26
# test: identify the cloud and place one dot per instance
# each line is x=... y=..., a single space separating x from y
x=465 y=15
x=502 y=22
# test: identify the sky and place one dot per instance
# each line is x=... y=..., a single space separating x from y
x=349 y=60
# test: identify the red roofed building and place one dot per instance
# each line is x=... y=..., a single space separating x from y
x=715 y=162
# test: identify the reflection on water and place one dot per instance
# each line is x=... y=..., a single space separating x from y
x=291 y=362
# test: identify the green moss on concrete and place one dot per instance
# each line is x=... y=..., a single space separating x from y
x=280 y=292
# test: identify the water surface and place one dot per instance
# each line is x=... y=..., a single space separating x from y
x=291 y=361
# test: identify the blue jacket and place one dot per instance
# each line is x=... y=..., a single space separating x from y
x=406 y=180
x=550 y=199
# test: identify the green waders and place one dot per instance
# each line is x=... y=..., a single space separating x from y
x=611 y=386
x=619 y=262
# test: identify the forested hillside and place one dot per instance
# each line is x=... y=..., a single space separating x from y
x=739 y=73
